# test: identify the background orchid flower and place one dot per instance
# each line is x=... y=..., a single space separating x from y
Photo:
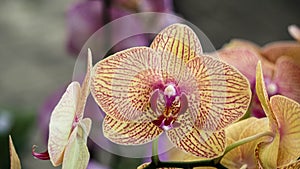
x=86 y=17
x=279 y=62
x=294 y=31
x=170 y=87
x=284 y=119
x=68 y=131
x=244 y=155
x=14 y=159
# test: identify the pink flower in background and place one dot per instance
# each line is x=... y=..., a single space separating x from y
x=280 y=62
x=86 y=17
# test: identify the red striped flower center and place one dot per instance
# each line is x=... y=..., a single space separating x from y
x=175 y=104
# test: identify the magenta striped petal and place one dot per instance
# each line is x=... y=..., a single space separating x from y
x=201 y=143
x=220 y=95
x=129 y=133
x=123 y=83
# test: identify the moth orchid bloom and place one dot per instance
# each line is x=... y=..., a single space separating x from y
x=170 y=87
x=68 y=131
x=243 y=157
x=284 y=118
x=279 y=63
x=294 y=32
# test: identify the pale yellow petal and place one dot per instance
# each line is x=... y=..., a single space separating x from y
x=76 y=155
x=14 y=159
x=287 y=113
x=294 y=31
x=122 y=84
x=85 y=87
x=220 y=96
x=61 y=122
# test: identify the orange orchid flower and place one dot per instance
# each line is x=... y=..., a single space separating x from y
x=170 y=87
x=68 y=131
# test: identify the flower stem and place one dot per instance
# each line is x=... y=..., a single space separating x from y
x=155 y=157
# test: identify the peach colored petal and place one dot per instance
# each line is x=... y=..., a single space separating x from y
x=85 y=87
x=242 y=43
x=222 y=94
x=14 y=159
x=287 y=113
x=287 y=77
x=129 y=133
x=243 y=59
x=275 y=50
x=122 y=83
x=61 y=122
x=200 y=143
x=294 y=31
x=76 y=155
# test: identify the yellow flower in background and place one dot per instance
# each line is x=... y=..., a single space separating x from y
x=284 y=121
x=170 y=87
x=68 y=131
x=243 y=157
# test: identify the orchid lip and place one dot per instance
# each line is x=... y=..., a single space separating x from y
x=41 y=156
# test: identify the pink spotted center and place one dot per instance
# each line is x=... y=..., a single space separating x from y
x=175 y=104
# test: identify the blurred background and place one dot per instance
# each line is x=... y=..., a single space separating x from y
x=39 y=43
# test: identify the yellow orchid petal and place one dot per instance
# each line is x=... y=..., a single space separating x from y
x=287 y=113
x=275 y=50
x=129 y=133
x=266 y=152
x=200 y=143
x=86 y=125
x=61 y=122
x=14 y=159
x=178 y=44
x=76 y=155
x=85 y=88
x=221 y=94
x=294 y=31
x=122 y=83
x=293 y=165
x=244 y=154
x=263 y=97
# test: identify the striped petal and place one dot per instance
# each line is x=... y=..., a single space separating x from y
x=200 y=143
x=129 y=133
x=177 y=44
x=14 y=159
x=287 y=113
x=85 y=88
x=61 y=123
x=287 y=77
x=275 y=50
x=292 y=165
x=220 y=95
x=76 y=155
x=122 y=84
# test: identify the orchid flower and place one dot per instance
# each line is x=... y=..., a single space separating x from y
x=170 y=87
x=284 y=118
x=68 y=131
x=280 y=65
x=14 y=159
x=294 y=32
x=244 y=155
